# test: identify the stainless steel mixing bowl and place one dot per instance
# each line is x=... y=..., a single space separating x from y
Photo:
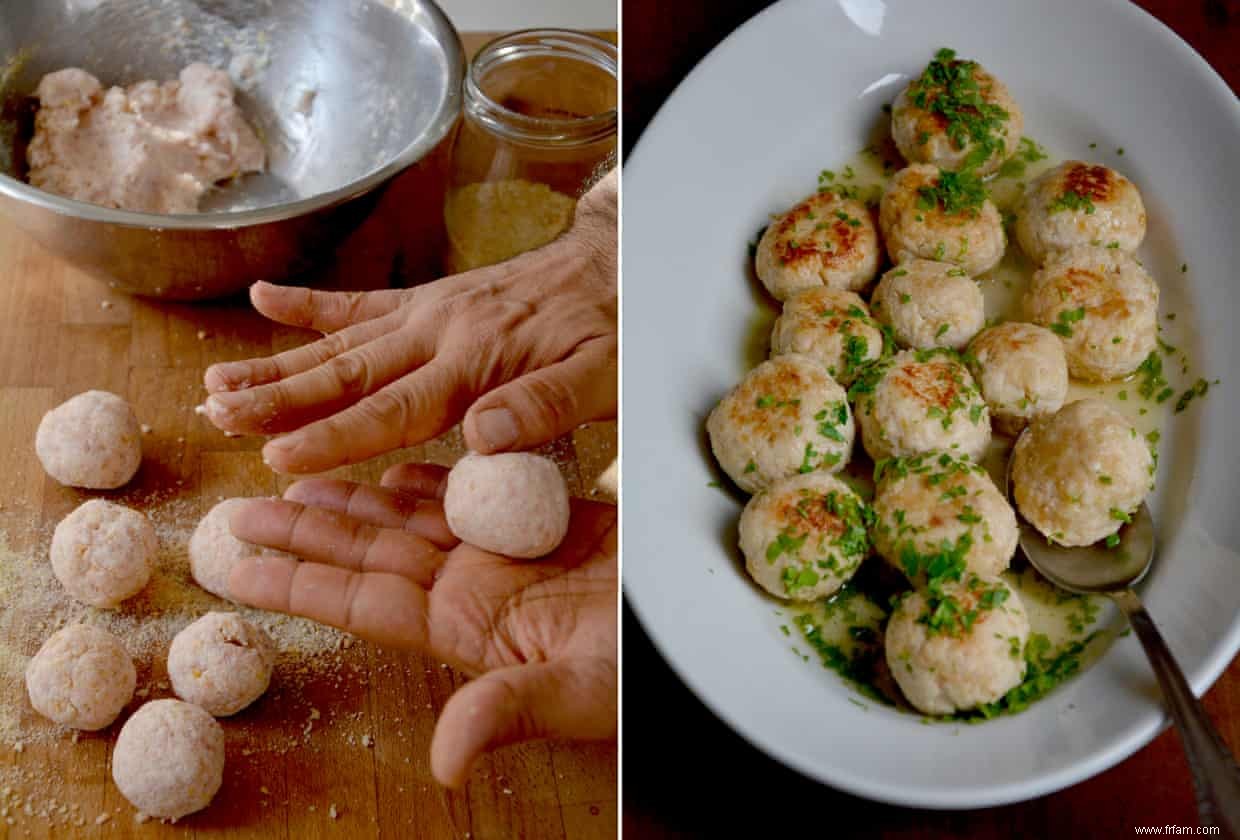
x=351 y=97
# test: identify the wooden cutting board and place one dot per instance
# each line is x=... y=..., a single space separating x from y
x=339 y=745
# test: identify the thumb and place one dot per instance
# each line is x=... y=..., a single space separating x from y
x=540 y=406
x=571 y=699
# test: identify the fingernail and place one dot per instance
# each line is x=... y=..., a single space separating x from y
x=497 y=427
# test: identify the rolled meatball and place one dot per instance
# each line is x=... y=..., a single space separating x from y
x=826 y=240
x=221 y=662
x=831 y=326
x=938 y=509
x=787 y=416
x=958 y=646
x=804 y=536
x=169 y=759
x=102 y=553
x=1104 y=307
x=81 y=677
x=1079 y=474
x=941 y=216
x=1080 y=204
x=956 y=116
x=921 y=401
x=929 y=304
x=92 y=440
x=1022 y=371
x=511 y=503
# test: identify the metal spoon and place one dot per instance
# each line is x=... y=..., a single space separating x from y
x=1097 y=570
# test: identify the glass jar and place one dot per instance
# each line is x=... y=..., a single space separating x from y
x=538 y=130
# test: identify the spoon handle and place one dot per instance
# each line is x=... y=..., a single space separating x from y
x=1216 y=778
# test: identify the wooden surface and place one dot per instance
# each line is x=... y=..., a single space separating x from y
x=366 y=752
x=689 y=775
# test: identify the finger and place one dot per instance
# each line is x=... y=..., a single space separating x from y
x=430 y=481
x=235 y=376
x=295 y=400
x=570 y=699
x=299 y=306
x=408 y=411
x=375 y=506
x=329 y=537
x=385 y=608
x=547 y=403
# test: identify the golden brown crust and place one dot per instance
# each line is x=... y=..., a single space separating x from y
x=933 y=383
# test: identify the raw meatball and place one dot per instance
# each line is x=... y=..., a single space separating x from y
x=929 y=125
x=1078 y=474
x=214 y=551
x=1080 y=204
x=921 y=401
x=81 y=677
x=928 y=503
x=169 y=759
x=945 y=664
x=826 y=240
x=929 y=304
x=102 y=553
x=514 y=503
x=92 y=440
x=1102 y=304
x=804 y=536
x=1022 y=371
x=787 y=416
x=941 y=216
x=831 y=326
x=221 y=662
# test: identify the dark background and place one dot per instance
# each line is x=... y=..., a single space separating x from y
x=688 y=775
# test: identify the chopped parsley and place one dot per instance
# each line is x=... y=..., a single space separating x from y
x=1065 y=320
x=1199 y=389
x=955 y=192
x=1072 y=200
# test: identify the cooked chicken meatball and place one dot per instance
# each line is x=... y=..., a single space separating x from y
x=804 y=536
x=1078 y=474
x=921 y=401
x=787 y=416
x=1104 y=307
x=935 y=510
x=1022 y=371
x=831 y=326
x=929 y=304
x=1080 y=204
x=956 y=116
x=826 y=240
x=959 y=645
x=943 y=216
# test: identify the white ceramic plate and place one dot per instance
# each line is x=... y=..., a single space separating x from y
x=796 y=90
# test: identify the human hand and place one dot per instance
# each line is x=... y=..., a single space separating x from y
x=525 y=351
x=540 y=636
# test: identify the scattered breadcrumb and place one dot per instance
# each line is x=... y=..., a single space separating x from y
x=105 y=304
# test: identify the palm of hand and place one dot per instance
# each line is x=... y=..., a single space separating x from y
x=382 y=563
